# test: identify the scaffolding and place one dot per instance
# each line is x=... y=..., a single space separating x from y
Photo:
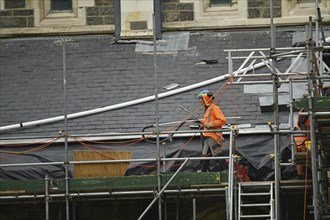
x=317 y=73
x=232 y=189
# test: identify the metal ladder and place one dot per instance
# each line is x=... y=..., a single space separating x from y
x=255 y=200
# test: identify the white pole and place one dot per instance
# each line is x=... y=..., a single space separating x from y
x=157 y=118
x=67 y=203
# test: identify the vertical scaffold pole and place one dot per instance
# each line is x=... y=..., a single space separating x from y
x=317 y=25
x=276 y=116
x=66 y=134
x=291 y=118
x=194 y=208
x=227 y=204
x=231 y=176
x=229 y=201
x=157 y=117
x=230 y=63
x=317 y=34
x=46 y=197
x=314 y=149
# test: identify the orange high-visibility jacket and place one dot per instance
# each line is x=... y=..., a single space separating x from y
x=302 y=125
x=214 y=117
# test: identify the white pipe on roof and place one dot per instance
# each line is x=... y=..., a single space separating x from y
x=129 y=103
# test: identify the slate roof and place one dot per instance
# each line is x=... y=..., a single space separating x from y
x=102 y=72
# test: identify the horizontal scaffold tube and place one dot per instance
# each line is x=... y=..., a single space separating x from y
x=109 y=193
x=129 y=103
x=112 y=161
x=134 y=135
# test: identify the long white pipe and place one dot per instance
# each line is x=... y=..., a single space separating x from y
x=129 y=103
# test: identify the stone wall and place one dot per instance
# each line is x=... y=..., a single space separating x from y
x=173 y=10
x=102 y=13
x=16 y=15
x=260 y=8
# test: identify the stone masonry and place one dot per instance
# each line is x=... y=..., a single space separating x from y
x=16 y=15
x=260 y=8
x=102 y=13
x=173 y=10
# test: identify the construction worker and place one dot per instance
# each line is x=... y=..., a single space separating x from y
x=302 y=123
x=213 y=120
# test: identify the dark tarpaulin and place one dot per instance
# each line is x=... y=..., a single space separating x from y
x=255 y=150
x=258 y=150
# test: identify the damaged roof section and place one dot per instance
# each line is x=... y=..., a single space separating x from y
x=265 y=92
x=170 y=42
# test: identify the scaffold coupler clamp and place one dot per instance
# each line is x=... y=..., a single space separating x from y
x=236 y=157
x=234 y=129
x=270 y=126
x=155 y=192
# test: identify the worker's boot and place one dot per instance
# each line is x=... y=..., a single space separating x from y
x=205 y=165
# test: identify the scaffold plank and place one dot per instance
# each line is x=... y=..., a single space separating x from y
x=22 y=186
x=182 y=180
x=142 y=182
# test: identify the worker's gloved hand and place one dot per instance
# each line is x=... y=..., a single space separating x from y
x=197 y=121
x=207 y=126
